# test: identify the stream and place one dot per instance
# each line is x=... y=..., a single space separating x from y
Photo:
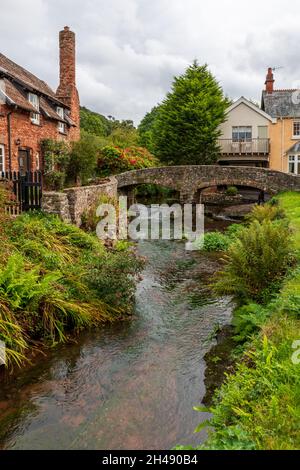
x=132 y=385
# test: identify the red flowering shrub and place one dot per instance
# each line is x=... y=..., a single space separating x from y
x=114 y=160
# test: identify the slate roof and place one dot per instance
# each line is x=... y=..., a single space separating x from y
x=13 y=96
x=17 y=82
x=14 y=71
x=48 y=111
x=280 y=103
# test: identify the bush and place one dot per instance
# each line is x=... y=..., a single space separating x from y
x=216 y=241
x=56 y=160
x=248 y=320
x=231 y=191
x=256 y=262
x=220 y=241
x=266 y=212
x=56 y=279
x=83 y=159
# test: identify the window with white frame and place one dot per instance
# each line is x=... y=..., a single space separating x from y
x=35 y=102
x=242 y=133
x=296 y=128
x=294 y=164
x=61 y=125
x=2 y=158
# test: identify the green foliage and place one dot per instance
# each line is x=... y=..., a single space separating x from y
x=265 y=212
x=56 y=279
x=231 y=191
x=83 y=159
x=123 y=137
x=256 y=262
x=160 y=193
x=216 y=241
x=258 y=406
x=146 y=129
x=186 y=128
x=109 y=130
x=221 y=241
x=56 y=160
x=94 y=123
x=249 y=319
x=234 y=230
x=262 y=398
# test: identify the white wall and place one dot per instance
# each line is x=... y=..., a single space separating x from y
x=242 y=115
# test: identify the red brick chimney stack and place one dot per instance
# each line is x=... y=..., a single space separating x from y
x=270 y=81
x=67 y=91
x=67 y=58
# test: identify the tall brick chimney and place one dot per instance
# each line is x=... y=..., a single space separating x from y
x=67 y=91
x=270 y=81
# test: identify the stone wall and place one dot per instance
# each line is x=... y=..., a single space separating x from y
x=72 y=203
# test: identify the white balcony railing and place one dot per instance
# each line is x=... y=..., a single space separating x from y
x=250 y=147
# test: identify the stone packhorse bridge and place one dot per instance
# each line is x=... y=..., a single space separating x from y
x=189 y=181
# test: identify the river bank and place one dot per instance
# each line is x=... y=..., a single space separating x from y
x=258 y=405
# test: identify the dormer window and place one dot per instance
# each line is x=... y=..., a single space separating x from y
x=61 y=125
x=35 y=102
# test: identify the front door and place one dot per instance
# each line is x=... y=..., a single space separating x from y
x=24 y=161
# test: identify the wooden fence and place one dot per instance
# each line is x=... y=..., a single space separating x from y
x=26 y=190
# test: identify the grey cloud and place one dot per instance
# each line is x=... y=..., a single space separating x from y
x=129 y=50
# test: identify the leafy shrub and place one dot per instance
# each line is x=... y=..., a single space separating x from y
x=55 y=279
x=256 y=262
x=115 y=160
x=56 y=160
x=112 y=277
x=216 y=241
x=220 y=241
x=83 y=159
x=248 y=320
x=231 y=191
x=266 y=212
x=233 y=231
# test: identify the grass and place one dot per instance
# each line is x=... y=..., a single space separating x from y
x=258 y=406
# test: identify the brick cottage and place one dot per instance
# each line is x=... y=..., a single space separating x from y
x=30 y=111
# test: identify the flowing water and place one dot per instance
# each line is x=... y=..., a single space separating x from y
x=128 y=386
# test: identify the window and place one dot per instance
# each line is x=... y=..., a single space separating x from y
x=35 y=102
x=296 y=127
x=61 y=125
x=2 y=158
x=294 y=164
x=242 y=133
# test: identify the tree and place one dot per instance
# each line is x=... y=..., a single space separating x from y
x=94 y=123
x=145 y=129
x=186 y=128
x=83 y=159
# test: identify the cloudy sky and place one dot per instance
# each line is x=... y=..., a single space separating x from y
x=129 y=50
